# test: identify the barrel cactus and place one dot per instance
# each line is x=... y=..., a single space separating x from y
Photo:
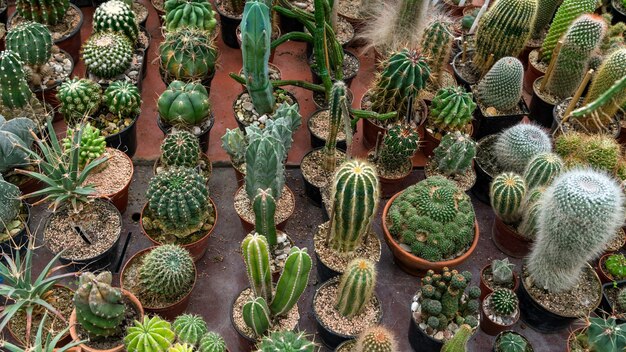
x=107 y=54
x=180 y=347
x=376 y=339
x=167 y=271
x=99 y=307
x=187 y=55
x=184 y=104
x=197 y=14
x=180 y=149
x=516 y=146
x=15 y=92
x=501 y=88
x=452 y=109
x=286 y=341
x=152 y=334
x=507 y=191
x=542 y=169
x=116 y=16
x=123 y=99
x=190 y=328
x=79 y=98
x=15 y=139
x=356 y=287
x=503 y=301
x=31 y=41
x=48 y=12
x=92 y=144
x=399 y=145
x=212 y=342
x=511 y=342
x=454 y=155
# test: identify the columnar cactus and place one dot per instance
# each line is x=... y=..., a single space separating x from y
x=338 y=114
x=452 y=108
x=437 y=44
x=49 y=12
x=545 y=11
x=212 y=342
x=264 y=206
x=502 y=86
x=355 y=195
x=292 y=281
x=167 y=270
x=454 y=155
x=150 y=335
x=503 y=31
x=579 y=42
x=187 y=55
x=506 y=192
x=107 y=54
x=502 y=271
x=31 y=41
x=10 y=206
x=92 y=144
x=510 y=342
x=197 y=14
x=123 y=99
x=184 y=104
x=180 y=149
x=286 y=341
x=399 y=145
x=264 y=167
x=564 y=244
x=356 y=287
x=116 y=16
x=235 y=144
x=516 y=146
x=256 y=254
x=15 y=92
x=458 y=342
x=99 y=307
x=376 y=339
x=15 y=140
x=504 y=301
x=190 y=328
x=542 y=169
x=79 y=98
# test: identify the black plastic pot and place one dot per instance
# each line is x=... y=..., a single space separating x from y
x=540 y=110
x=457 y=73
x=317 y=142
x=245 y=343
x=488 y=125
x=204 y=136
x=537 y=317
x=324 y=273
x=206 y=82
x=125 y=140
x=312 y=192
x=228 y=26
x=605 y=307
x=18 y=241
x=347 y=80
x=618 y=15
x=3 y=15
x=288 y=24
x=483 y=180
x=420 y=341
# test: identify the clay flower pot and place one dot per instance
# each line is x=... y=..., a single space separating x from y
x=485 y=289
x=491 y=327
x=508 y=240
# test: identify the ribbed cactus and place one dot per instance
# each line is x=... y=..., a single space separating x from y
x=256 y=31
x=516 y=146
x=376 y=339
x=15 y=140
x=399 y=145
x=542 y=169
x=502 y=86
x=503 y=301
x=458 y=342
x=565 y=244
x=531 y=206
x=355 y=195
x=437 y=44
x=502 y=271
x=190 y=328
x=212 y=342
x=180 y=347
x=235 y=144
x=256 y=314
x=92 y=144
x=545 y=11
x=167 y=270
x=15 y=92
x=356 y=287
x=503 y=31
x=197 y=14
x=107 y=54
x=511 y=342
x=180 y=149
x=604 y=334
x=579 y=43
x=338 y=115
x=31 y=41
x=99 y=307
x=49 y=12
x=292 y=282
x=286 y=341
x=264 y=167
x=150 y=335
x=116 y=16
x=10 y=206
x=454 y=154
x=79 y=98
x=506 y=192
x=185 y=104
x=123 y=99
x=187 y=55
x=621 y=299
x=565 y=15
x=256 y=254
x=264 y=207
x=452 y=108
x=404 y=74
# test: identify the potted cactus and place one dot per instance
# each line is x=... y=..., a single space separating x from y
x=499 y=311
x=14 y=218
x=182 y=149
x=148 y=334
x=108 y=55
x=375 y=338
x=599 y=334
x=286 y=341
x=611 y=267
x=614 y=300
x=436 y=43
x=498 y=274
x=235 y=144
x=511 y=341
x=230 y=12
x=192 y=331
x=454 y=159
x=194 y=14
x=17 y=100
x=15 y=138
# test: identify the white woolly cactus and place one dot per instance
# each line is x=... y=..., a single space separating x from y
x=516 y=146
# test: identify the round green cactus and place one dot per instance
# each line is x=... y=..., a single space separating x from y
x=167 y=270
x=517 y=145
x=151 y=335
x=187 y=55
x=123 y=99
x=602 y=152
x=15 y=92
x=48 y=12
x=452 y=108
x=196 y=14
x=180 y=347
x=190 y=328
x=504 y=301
x=180 y=148
x=501 y=88
x=511 y=342
x=10 y=205
x=399 y=145
x=79 y=98
x=616 y=266
x=116 y=16
x=31 y=41
x=542 y=169
x=107 y=54
x=212 y=342
x=454 y=154
x=356 y=287
x=185 y=104
x=376 y=339
x=506 y=193
x=286 y=341
x=92 y=144
x=99 y=307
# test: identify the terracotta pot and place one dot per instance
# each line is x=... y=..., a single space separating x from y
x=240 y=177
x=120 y=198
x=30 y=185
x=508 y=240
x=198 y=248
x=160 y=14
x=602 y=271
x=389 y=186
x=73 y=323
x=491 y=327
x=531 y=74
x=571 y=337
x=486 y=290
x=415 y=265
x=249 y=227
x=171 y=311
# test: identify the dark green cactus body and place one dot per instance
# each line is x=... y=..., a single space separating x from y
x=510 y=342
x=184 y=104
x=506 y=193
x=542 y=169
x=437 y=44
x=15 y=92
x=502 y=86
x=107 y=54
x=257 y=316
x=167 y=270
x=180 y=149
x=338 y=115
x=504 y=301
x=99 y=307
x=15 y=140
x=197 y=14
x=605 y=334
x=286 y=341
x=49 y=12
x=264 y=206
x=150 y=335
x=452 y=108
x=123 y=99
x=10 y=205
x=545 y=11
x=399 y=145
x=31 y=41
x=356 y=287
x=292 y=282
x=187 y=55
x=79 y=98
x=454 y=155
x=116 y=16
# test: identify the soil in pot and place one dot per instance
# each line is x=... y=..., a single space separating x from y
x=464 y=181
x=320 y=127
x=247 y=115
x=466 y=70
x=157 y=235
x=61 y=30
x=140 y=11
x=287 y=322
x=616 y=242
x=274 y=73
x=572 y=125
x=369 y=248
x=51 y=74
x=611 y=291
x=226 y=8
x=284 y=206
x=350 y=65
x=111 y=124
x=319 y=99
x=487 y=278
x=113 y=175
x=312 y=167
x=34 y=110
x=533 y=59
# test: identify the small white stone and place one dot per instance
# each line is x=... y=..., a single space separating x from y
x=414 y=306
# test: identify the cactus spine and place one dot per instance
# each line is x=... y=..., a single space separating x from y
x=31 y=41
x=437 y=44
x=197 y=14
x=545 y=11
x=15 y=92
x=180 y=149
x=190 y=328
x=504 y=301
x=187 y=55
x=123 y=99
x=49 y=12
x=338 y=115
x=168 y=271
x=399 y=145
x=286 y=341
x=506 y=194
x=356 y=287
x=454 y=155
x=452 y=108
x=376 y=339
x=518 y=145
x=79 y=98
x=542 y=169
x=511 y=342
x=99 y=307
x=502 y=86
x=116 y=16
x=150 y=335
x=256 y=255
x=264 y=206
x=107 y=54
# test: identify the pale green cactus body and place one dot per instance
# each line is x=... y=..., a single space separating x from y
x=516 y=146
x=502 y=271
x=212 y=342
x=123 y=99
x=168 y=271
x=32 y=41
x=510 y=342
x=190 y=328
x=286 y=341
x=15 y=138
x=399 y=145
x=235 y=144
x=458 y=342
x=180 y=347
x=356 y=287
x=454 y=154
x=116 y=16
x=542 y=169
x=502 y=86
x=376 y=339
x=187 y=55
x=15 y=92
x=264 y=166
x=107 y=54
x=150 y=335
x=506 y=193
x=196 y=14
x=99 y=307
x=92 y=144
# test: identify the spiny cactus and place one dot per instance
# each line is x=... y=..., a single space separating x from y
x=452 y=108
x=212 y=342
x=506 y=193
x=180 y=149
x=502 y=271
x=256 y=255
x=123 y=99
x=596 y=150
x=437 y=44
x=338 y=114
x=355 y=195
x=116 y=16
x=168 y=271
x=187 y=55
x=542 y=169
x=15 y=139
x=605 y=334
x=264 y=207
x=190 y=328
x=502 y=86
x=454 y=154
x=31 y=41
x=45 y=340
x=10 y=206
x=99 y=307
x=503 y=301
x=621 y=299
x=356 y=287
x=79 y=98
x=458 y=342
x=516 y=146
x=503 y=31
x=92 y=144
x=49 y=12
x=107 y=54
x=545 y=11
x=150 y=335
x=235 y=144
x=376 y=339
x=531 y=206
x=579 y=42
x=196 y=14
x=511 y=342
x=616 y=265
x=564 y=244
x=184 y=104
x=15 y=92
x=286 y=341
x=180 y=348
x=399 y=145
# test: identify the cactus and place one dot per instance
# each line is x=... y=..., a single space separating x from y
x=376 y=339
x=184 y=104
x=197 y=14
x=458 y=342
x=190 y=328
x=511 y=342
x=545 y=11
x=452 y=109
x=516 y=146
x=564 y=244
x=180 y=348
x=116 y=16
x=502 y=271
x=45 y=340
x=605 y=335
x=506 y=192
x=338 y=115
x=123 y=99
x=601 y=152
x=616 y=266
x=256 y=315
x=31 y=41
x=235 y=144
x=501 y=88
x=49 y=12
x=356 y=287
x=167 y=271
x=503 y=31
x=92 y=144
x=15 y=92
x=399 y=145
x=264 y=167
x=264 y=206
x=454 y=155
x=621 y=299
x=212 y=342
x=180 y=149
x=107 y=54
x=256 y=255
x=542 y=169
x=10 y=206
x=528 y=227
x=579 y=43
x=355 y=195
x=286 y=341
x=565 y=15
x=404 y=74
x=79 y=98
x=15 y=139
x=292 y=281
x=437 y=44
x=503 y=301
x=187 y=55
x=151 y=335
x=99 y=307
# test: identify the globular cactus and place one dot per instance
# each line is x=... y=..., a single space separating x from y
x=454 y=154
x=167 y=270
x=31 y=41
x=503 y=31
x=150 y=335
x=212 y=342
x=256 y=314
x=501 y=88
x=564 y=244
x=579 y=43
x=452 y=108
x=565 y=15
x=190 y=328
x=107 y=54
x=15 y=92
x=399 y=145
x=187 y=55
x=506 y=192
x=504 y=301
x=180 y=347
x=458 y=342
x=235 y=144
x=286 y=341
x=621 y=299
x=604 y=334
x=116 y=16
x=79 y=98
x=92 y=144
x=10 y=206
x=123 y=99
x=376 y=339
x=545 y=11
x=180 y=148
x=184 y=104
x=356 y=287
x=256 y=255
x=615 y=264
x=15 y=140
x=502 y=271
x=355 y=193
x=511 y=342
x=264 y=207
x=404 y=74
x=49 y=12
x=531 y=206
x=516 y=146
x=99 y=307
x=437 y=44
x=338 y=114
x=542 y=169
x=197 y=14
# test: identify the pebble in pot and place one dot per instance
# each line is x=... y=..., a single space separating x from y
x=47 y=339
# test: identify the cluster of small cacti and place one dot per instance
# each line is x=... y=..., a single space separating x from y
x=599 y=151
x=91 y=146
x=517 y=145
x=452 y=109
x=356 y=287
x=398 y=147
x=437 y=44
x=150 y=334
x=187 y=55
x=99 y=307
x=15 y=139
x=167 y=271
x=434 y=218
x=286 y=341
x=79 y=98
x=184 y=104
x=107 y=54
x=503 y=301
x=511 y=342
x=376 y=339
x=123 y=99
x=616 y=266
x=31 y=41
x=116 y=16
x=454 y=154
x=49 y=12
x=501 y=88
x=180 y=149
x=502 y=271
x=197 y=14
x=15 y=92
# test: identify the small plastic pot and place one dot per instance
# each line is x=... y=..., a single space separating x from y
x=489 y=326
x=540 y=110
x=249 y=227
x=483 y=179
x=488 y=125
x=120 y=198
x=457 y=71
x=316 y=79
x=420 y=341
x=485 y=289
x=49 y=94
x=324 y=272
x=313 y=193
x=508 y=240
x=605 y=305
x=529 y=347
x=391 y=186
x=318 y=142
x=18 y=241
x=229 y=26
x=125 y=140
x=204 y=137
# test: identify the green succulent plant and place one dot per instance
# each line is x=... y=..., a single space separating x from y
x=516 y=146
x=504 y=301
x=452 y=109
x=454 y=154
x=501 y=88
x=212 y=342
x=286 y=341
x=16 y=136
x=184 y=104
x=107 y=54
x=502 y=271
x=603 y=335
x=616 y=265
x=79 y=98
x=152 y=334
x=49 y=12
x=31 y=41
x=167 y=271
x=123 y=99
x=99 y=307
x=45 y=341
x=507 y=192
x=10 y=208
x=398 y=147
x=190 y=328
x=356 y=287
x=92 y=144
x=15 y=92
x=511 y=342
x=187 y=55
x=458 y=342
x=180 y=149
x=116 y=16
x=376 y=339
x=197 y=14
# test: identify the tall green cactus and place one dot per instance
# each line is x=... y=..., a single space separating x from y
x=458 y=342
x=502 y=86
x=338 y=114
x=49 y=12
x=99 y=307
x=506 y=192
x=264 y=167
x=184 y=104
x=454 y=155
x=452 y=108
x=264 y=206
x=167 y=271
x=516 y=146
x=292 y=282
x=31 y=41
x=503 y=31
x=256 y=255
x=399 y=145
x=356 y=287
x=15 y=139
x=187 y=55
x=542 y=169
x=15 y=92
x=437 y=44
x=545 y=11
